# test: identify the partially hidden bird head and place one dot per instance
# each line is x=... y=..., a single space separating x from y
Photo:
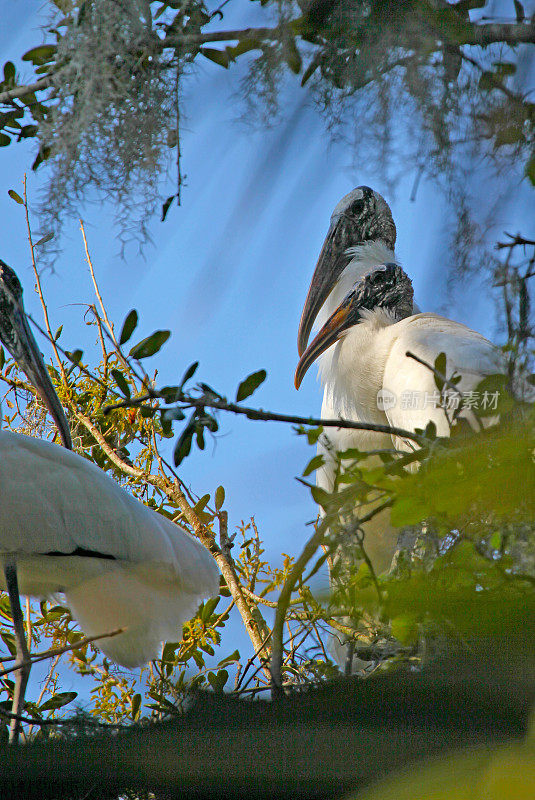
x=385 y=287
x=361 y=217
x=18 y=339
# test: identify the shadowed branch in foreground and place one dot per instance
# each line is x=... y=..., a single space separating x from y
x=318 y=744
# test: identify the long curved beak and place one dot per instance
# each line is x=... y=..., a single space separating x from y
x=328 y=269
x=345 y=316
x=18 y=338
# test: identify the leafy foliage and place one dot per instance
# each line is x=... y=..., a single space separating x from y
x=448 y=78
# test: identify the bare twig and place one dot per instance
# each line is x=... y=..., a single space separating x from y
x=58 y=651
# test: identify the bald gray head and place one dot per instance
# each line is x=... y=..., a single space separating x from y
x=361 y=217
x=364 y=216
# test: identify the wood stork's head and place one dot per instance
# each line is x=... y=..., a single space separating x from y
x=386 y=287
x=361 y=217
x=17 y=337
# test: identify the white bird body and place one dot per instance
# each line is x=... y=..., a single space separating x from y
x=362 y=301
x=149 y=576
x=371 y=357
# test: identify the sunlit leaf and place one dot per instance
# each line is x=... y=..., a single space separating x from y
x=219 y=498
x=14 y=196
x=209 y=608
x=40 y=55
x=314 y=463
x=44 y=239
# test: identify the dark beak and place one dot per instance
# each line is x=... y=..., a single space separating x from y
x=345 y=316
x=330 y=266
x=24 y=350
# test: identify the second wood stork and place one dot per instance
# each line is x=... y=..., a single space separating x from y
x=369 y=376
x=361 y=235
x=68 y=529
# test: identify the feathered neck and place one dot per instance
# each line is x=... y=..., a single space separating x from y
x=364 y=258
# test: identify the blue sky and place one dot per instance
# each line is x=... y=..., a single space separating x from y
x=229 y=271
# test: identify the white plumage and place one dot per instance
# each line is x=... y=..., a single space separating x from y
x=67 y=528
x=149 y=576
x=362 y=355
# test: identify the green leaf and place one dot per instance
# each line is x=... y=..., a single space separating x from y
x=9 y=72
x=250 y=384
x=201 y=503
x=189 y=373
x=430 y=430
x=209 y=608
x=220 y=57
x=16 y=197
x=183 y=444
x=504 y=68
x=58 y=333
x=233 y=657
x=243 y=46
x=314 y=434
x=9 y=641
x=219 y=497
x=121 y=382
x=40 y=55
x=314 y=463
x=217 y=682
x=440 y=366
x=58 y=700
x=292 y=55
x=44 y=239
x=150 y=345
x=405 y=629
x=74 y=356
x=42 y=155
x=487 y=81
x=320 y=496
x=136 y=705
x=2 y=357
x=129 y=326
x=4 y=140
x=310 y=70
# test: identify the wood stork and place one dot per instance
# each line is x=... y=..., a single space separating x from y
x=361 y=235
x=67 y=528
x=368 y=375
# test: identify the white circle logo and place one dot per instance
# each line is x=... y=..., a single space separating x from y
x=385 y=399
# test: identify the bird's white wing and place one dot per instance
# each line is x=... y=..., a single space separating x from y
x=54 y=501
x=413 y=388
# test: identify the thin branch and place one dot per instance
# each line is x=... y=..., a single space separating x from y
x=29 y=88
x=284 y=600
x=58 y=651
x=270 y=416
